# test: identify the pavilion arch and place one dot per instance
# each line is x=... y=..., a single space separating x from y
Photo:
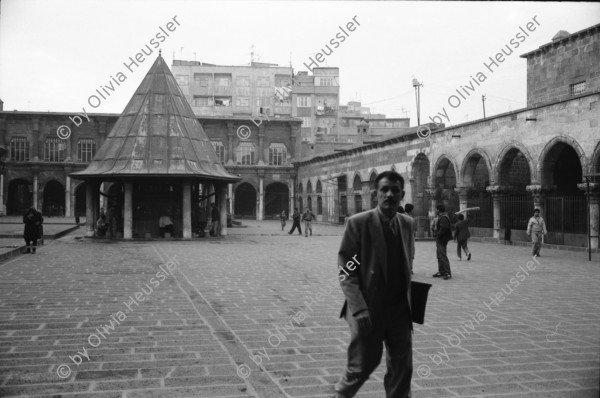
x=559 y=154
x=472 y=167
x=511 y=149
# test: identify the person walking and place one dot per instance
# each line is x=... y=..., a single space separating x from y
x=283 y=218
x=443 y=235
x=295 y=222
x=536 y=228
x=32 y=220
x=374 y=274
x=308 y=218
x=215 y=219
x=461 y=236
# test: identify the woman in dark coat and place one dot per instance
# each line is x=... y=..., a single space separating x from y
x=32 y=220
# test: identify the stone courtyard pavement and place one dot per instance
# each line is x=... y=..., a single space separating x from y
x=107 y=319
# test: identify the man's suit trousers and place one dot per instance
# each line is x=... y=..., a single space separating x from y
x=365 y=350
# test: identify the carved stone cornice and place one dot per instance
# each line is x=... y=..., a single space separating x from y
x=540 y=189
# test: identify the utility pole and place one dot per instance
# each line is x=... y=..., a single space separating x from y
x=417 y=87
x=483 y=102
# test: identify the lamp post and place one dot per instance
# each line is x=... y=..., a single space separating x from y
x=417 y=87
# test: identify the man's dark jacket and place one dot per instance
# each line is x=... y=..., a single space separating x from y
x=462 y=231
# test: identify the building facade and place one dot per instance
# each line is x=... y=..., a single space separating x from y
x=506 y=164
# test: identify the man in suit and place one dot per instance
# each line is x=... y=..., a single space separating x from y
x=443 y=234
x=374 y=273
x=461 y=236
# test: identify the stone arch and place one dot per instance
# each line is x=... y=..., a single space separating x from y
x=550 y=154
x=513 y=145
x=53 y=203
x=444 y=180
x=319 y=187
x=595 y=163
x=357 y=182
x=20 y=196
x=300 y=189
x=309 y=187
x=245 y=199
x=419 y=183
x=277 y=199
x=470 y=165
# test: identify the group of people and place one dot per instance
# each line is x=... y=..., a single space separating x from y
x=166 y=226
x=307 y=217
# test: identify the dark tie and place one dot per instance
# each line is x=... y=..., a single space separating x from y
x=393 y=226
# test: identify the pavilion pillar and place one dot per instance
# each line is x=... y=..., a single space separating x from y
x=187 y=210
x=260 y=214
x=291 y=198
x=89 y=209
x=128 y=212
x=68 y=197
x=230 y=189
x=223 y=208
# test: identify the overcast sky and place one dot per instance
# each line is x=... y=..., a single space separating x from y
x=55 y=54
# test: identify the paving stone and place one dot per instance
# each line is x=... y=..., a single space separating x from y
x=226 y=297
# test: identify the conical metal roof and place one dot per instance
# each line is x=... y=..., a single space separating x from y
x=157 y=135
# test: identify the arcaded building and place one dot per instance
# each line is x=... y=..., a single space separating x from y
x=505 y=164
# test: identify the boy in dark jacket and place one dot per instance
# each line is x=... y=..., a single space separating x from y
x=32 y=220
x=461 y=236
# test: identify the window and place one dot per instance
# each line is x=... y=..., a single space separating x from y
x=577 y=88
x=86 y=150
x=303 y=101
x=202 y=80
x=326 y=81
x=277 y=154
x=263 y=81
x=220 y=150
x=222 y=101
x=222 y=81
x=19 y=149
x=54 y=150
x=241 y=101
x=306 y=121
x=203 y=101
x=242 y=81
x=244 y=153
x=183 y=80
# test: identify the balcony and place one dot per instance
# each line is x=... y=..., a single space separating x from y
x=326 y=111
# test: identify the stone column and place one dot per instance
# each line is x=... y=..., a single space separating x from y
x=463 y=197
x=230 y=196
x=223 y=207
x=497 y=193
x=35 y=192
x=187 y=210
x=261 y=140
x=260 y=214
x=35 y=147
x=594 y=200
x=230 y=133
x=539 y=192
x=128 y=212
x=68 y=197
